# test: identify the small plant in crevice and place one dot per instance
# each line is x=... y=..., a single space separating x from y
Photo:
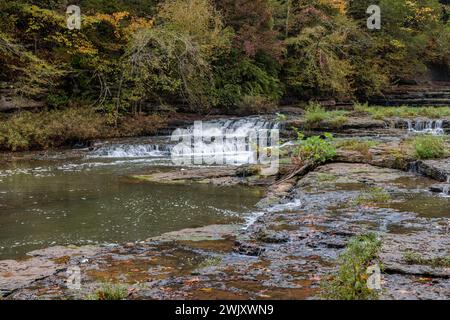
x=315 y=114
x=436 y=262
x=361 y=146
x=325 y=177
x=373 y=196
x=210 y=262
x=109 y=291
x=350 y=280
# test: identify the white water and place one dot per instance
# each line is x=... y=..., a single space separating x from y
x=446 y=188
x=229 y=139
x=433 y=127
x=130 y=151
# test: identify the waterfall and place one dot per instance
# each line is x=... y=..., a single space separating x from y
x=234 y=150
x=233 y=141
x=446 y=188
x=434 y=127
x=130 y=151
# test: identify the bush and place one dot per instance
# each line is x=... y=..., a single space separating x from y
x=316 y=148
x=27 y=130
x=350 y=282
x=51 y=129
x=428 y=147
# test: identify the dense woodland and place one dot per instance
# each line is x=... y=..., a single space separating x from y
x=137 y=56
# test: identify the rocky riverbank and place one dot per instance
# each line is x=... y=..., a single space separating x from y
x=287 y=251
x=288 y=247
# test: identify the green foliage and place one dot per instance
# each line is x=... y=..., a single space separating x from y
x=374 y=195
x=27 y=130
x=239 y=55
x=378 y=112
x=110 y=291
x=210 y=262
x=315 y=114
x=243 y=78
x=428 y=147
x=361 y=146
x=350 y=281
x=46 y=129
x=315 y=148
x=174 y=57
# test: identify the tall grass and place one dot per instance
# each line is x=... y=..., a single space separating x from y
x=428 y=147
x=379 y=112
x=315 y=114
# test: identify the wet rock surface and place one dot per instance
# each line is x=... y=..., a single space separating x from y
x=284 y=254
x=435 y=169
x=220 y=176
x=291 y=245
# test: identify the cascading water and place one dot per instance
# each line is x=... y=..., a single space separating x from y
x=130 y=151
x=446 y=188
x=434 y=127
x=235 y=148
x=233 y=141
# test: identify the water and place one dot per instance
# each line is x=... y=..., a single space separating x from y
x=434 y=127
x=82 y=203
x=231 y=141
x=446 y=189
x=94 y=200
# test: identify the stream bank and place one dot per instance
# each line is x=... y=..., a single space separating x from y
x=284 y=250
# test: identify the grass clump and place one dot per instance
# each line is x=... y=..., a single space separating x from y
x=325 y=177
x=428 y=147
x=379 y=112
x=373 y=196
x=350 y=281
x=437 y=262
x=210 y=262
x=110 y=291
x=315 y=114
x=361 y=146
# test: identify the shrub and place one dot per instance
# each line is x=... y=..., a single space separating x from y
x=350 y=281
x=27 y=130
x=316 y=148
x=49 y=129
x=428 y=147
